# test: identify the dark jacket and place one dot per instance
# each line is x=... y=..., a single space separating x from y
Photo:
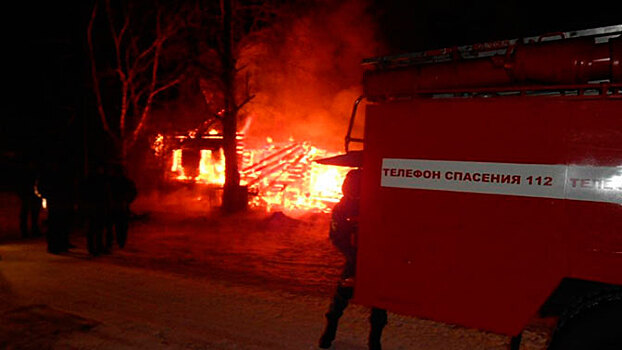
x=344 y=230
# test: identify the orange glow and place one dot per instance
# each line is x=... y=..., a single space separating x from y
x=303 y=185
x=281 y=177
x=177 y=168
x=158 y=145
x=211 y=168
x=306 y=82
x=176 y=161
x=326 y=181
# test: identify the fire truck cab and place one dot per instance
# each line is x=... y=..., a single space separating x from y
x=492 y=186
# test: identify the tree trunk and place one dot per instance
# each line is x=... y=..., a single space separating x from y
x=233 y=198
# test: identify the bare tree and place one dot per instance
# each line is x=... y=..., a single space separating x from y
x=239 y=23
x=129 y=74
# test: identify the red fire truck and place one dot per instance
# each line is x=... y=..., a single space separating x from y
x=492 y=186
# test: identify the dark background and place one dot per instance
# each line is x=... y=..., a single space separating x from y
x=418 y=25
x=46 y=71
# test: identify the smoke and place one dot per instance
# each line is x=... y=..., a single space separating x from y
x=306 y=73
x=180 y=200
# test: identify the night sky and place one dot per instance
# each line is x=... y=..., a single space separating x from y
x=418 y=25
x=45 y=67
x=46 y=64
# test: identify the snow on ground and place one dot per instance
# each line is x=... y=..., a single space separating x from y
x=191 y=279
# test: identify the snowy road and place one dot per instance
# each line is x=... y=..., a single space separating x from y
x=117 y=307
x=196 y=283
x=137 y=308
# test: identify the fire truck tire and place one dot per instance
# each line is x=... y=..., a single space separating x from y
x=594 y=324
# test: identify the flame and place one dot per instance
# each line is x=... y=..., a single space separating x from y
x=278 y=176
x=326 y=181
x=211 y=168
x=177 y=167
x=158 y=145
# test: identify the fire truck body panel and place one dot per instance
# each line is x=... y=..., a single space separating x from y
x=541 y=202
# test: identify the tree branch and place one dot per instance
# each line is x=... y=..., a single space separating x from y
x=147 y=109
x=245 y=101
x=96 y=88
x=116 y=39
x=169 y=85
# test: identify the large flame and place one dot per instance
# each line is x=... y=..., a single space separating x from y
x=279 y=177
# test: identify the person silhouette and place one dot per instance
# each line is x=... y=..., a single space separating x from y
x=343 y=234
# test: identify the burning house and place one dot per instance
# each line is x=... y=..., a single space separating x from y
x=297 y=86
x=279 y=176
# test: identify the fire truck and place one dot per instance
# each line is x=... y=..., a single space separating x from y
x=492 y=186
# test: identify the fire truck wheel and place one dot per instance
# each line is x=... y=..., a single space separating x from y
x=595 y=324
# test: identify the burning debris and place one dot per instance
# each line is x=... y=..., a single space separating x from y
x=278 y=176
x=285 y=177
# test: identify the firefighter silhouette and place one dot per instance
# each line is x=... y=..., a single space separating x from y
x=109 y=193
x=96 y=209
x=122 y=193
x=343 y=234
